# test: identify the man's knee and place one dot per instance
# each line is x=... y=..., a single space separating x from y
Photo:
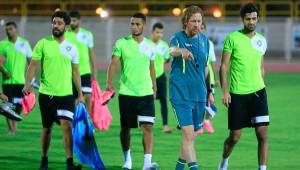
x=234 y=137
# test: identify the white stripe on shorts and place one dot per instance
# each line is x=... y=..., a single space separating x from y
x=260 y=119
x=65 y=113
x=146 y=119
x=86 y=89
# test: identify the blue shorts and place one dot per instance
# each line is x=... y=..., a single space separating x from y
x=189 y=113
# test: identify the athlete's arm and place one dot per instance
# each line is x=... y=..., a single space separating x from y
x=77 y=81
x=93 y=63
x=177 y=52
x=3 y=97
x=111 y=71
x=153 y=78
x=31 y=71
x=226 y=98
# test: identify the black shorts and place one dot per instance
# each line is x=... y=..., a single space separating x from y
x=86 y=85
x=13 y=92
x=133 y=109
x=161 y=83
x=54 y=108
x=250 y=110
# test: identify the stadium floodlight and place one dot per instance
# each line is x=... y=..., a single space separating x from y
x=176 y=11
x=99 y=10
x=217 y=13
x=104 y=14
x=145 y=11
x=2 y=22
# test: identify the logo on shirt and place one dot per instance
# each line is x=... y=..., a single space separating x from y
x=259 y=43
x=68 y=48
x=188 y=45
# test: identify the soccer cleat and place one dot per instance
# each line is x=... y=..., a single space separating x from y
x=35 y=84
x=74 y=167
x=154 y=166
x=208 y=127
x=7 y=111
x=200 y=131
x=107 y=96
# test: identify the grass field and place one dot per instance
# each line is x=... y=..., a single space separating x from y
x=22 y=151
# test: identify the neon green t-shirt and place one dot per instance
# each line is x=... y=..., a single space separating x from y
x=56 y=65
x=245 y=62
x=161 y=54
x=135 y=62
x=83 y=40
x=15 y=54
x=211 y=60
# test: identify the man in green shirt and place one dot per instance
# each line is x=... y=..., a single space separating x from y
x=246 y=96
x=17 y=53
x=59 y=65
x=137 y=87
x=162 y=55
x=84 y=41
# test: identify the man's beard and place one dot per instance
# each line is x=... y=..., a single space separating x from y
x=74 y=27
x=248 y=30
x=57 y=33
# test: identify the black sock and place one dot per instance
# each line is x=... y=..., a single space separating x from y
x=70 y=161
x=44 y=161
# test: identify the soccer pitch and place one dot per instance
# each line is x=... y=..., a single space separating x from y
x=22 y=151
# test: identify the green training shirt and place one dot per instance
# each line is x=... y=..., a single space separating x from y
x=15 y=54
x=245 y=62
x=83 y=40
x=161 y=55
x=56 y=65
x=135 y=63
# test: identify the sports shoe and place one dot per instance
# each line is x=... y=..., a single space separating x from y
x=7 y=111
x=154 y=166
x=74 y=167
x=44 y=164
x=208 y=127
x=211 y=110
x=35 y=84
x=106 y=96
x=200 y=131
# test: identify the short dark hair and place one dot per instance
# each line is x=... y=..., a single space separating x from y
x=157 y=25
x=11 y=23
x=139 y=15
x=63 y=15
x=248 y=8
x=75 y=14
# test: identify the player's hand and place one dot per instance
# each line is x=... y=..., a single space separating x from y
x=110 y=87
x=6 y=74
x=3 y=97
x=154 y=92
x=226 y=99
x=210 y=98
x=80 y=98
x=186 y=54
x=26 y=89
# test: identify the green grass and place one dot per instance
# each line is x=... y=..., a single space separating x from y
x=23 y=150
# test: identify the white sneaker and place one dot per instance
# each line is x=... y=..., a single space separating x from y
x=126 y=166
x=7 y=111
x=154 y=166
x=222 y=168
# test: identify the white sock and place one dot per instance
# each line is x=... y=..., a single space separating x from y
x=262 y=167
x=127 y=160
x=224 y=163
x=147 y=160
